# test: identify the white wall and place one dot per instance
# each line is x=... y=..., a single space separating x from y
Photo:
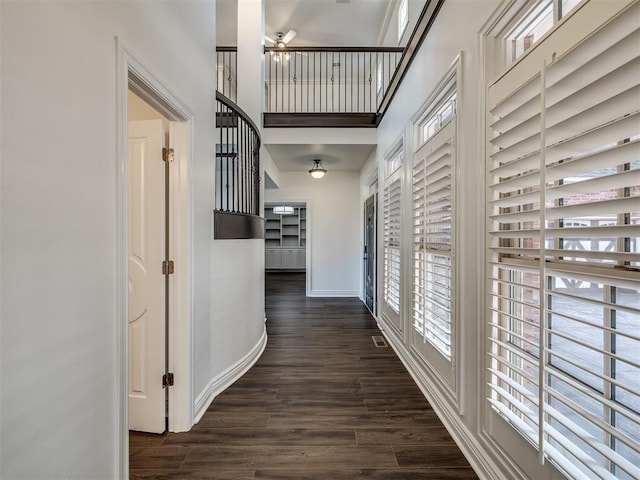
x=250 y=58
x=456 y=31
x=269 y=168
x=368 y=174
x=333 y=228
x=59 y=407
x=331 y=136
x=390 y=33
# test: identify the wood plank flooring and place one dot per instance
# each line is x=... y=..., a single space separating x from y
x=322 y=403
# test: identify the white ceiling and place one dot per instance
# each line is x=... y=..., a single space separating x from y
x=318 y=22
x=300 y=157
x=327 y=22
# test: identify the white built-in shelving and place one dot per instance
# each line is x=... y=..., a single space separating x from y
x=285 y=238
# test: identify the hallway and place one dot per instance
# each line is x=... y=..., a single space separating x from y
x=323 y=402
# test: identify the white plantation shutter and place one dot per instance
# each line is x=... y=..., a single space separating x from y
x=515 y=176
x=564 y=286
x=432 y=240
x=392 y=208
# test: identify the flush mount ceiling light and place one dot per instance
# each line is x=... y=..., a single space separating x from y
x=283 y=210
x=317 y=171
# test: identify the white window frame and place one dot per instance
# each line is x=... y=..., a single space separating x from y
x=403 y=18
x=527 y=14
x=394 y=159
x=437 y=117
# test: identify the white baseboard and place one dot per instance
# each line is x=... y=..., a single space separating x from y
x=334 y=293
x=220 y=383
x=484 y=460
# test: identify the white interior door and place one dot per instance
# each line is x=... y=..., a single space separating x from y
x=146 y=280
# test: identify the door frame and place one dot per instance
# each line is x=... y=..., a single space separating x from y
x=308 y=258
x=132 y=74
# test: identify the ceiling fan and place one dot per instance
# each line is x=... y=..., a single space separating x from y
x=282 y=39
x=280 y=42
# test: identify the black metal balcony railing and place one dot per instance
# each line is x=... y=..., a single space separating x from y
x=317 y=79
x=334 y=80
x=226 y=71
x=237 y=160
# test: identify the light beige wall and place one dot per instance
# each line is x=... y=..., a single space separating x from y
x=138 y=109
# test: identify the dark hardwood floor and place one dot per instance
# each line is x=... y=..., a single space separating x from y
x=322 y=403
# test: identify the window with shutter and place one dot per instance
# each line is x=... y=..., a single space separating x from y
x=564 y=271
x=433 y=228
x=392 y=226
x=392 y=208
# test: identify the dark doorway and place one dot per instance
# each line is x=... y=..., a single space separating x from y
x=370 y=253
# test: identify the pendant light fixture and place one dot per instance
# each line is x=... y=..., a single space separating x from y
x=317 y=171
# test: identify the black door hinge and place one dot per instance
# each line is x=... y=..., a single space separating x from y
x=167 y=380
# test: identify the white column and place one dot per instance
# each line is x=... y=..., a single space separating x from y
x=250 y=73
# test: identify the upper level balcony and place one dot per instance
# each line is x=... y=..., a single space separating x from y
x=331 y=86
x=319 y=86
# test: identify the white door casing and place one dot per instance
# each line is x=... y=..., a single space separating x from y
x=146 y=282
